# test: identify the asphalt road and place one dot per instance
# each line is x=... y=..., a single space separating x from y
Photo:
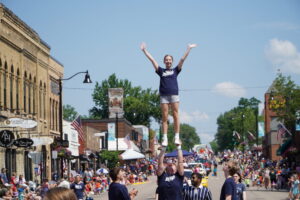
x=147 y=190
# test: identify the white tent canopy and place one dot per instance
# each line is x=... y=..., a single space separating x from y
x=131 y=154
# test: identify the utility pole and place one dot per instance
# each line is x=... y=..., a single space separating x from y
x=256 y=124
x=117 y=134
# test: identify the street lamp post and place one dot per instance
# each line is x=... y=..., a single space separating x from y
x=243 y=134
x=256 y=124
x=86 y=80
x=117 y=133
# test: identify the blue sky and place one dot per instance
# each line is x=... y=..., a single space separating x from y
x=241 y=44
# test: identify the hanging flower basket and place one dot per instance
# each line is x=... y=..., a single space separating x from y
x=63 y=152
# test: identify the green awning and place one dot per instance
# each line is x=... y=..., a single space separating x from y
x=284 y=147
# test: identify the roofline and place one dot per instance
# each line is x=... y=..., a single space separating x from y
x=106 y=120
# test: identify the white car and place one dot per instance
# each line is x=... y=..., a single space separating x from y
x=188 y=175
x=200 y=165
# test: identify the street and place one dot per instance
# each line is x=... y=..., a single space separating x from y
x=147 y=190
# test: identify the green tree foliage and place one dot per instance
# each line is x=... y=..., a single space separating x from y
x=285 y=100
x=188 y=137
x=69 y=113
x=112 y=158
x=240 y=119
x=214 y=146
x=139 y=105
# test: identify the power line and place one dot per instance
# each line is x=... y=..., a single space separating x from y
x=190 y=90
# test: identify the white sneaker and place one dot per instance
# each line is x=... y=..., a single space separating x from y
x=177 y=141
x=165 y=142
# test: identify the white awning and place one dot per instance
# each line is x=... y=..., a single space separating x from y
x=131 y=154
x=42 y=141
x=122 y=146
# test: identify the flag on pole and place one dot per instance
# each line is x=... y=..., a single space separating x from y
x=282 y=130
x=78 y=127
x=252 y=137
x=127 y=141
x=236 y=134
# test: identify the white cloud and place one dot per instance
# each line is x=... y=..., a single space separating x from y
x=206 y=138
x=283 y=55
x=185 y=117
x=195 y=116
x=229 y=89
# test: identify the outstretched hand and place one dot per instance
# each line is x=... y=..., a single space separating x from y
x=143 y=46
x=133 y=192
x=190 y=46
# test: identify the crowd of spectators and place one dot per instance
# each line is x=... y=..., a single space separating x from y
x=261 y=173
x=94 y=182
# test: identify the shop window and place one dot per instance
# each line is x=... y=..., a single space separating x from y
x=5 y=85
x=17 y=91
x=27 y=166
x=24 y=92
x=11 y=87
x=10 y=161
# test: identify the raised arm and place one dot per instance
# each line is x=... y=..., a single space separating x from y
x=181 y=61
x=180 y=167
x=161 y=156
x=148 y=55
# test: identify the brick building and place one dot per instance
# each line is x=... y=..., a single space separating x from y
x=274 y=146
x=105 y=138
x=270 y=142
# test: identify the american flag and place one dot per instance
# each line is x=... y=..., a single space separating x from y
x=282 y=130
x=127 y=140
x=78 y=127
x=236 y=134
x=252 y=137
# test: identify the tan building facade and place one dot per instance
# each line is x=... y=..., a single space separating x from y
x=28 y=90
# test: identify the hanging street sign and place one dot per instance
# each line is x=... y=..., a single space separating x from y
x=23 y=142
x=22 y=123
x=6 y=138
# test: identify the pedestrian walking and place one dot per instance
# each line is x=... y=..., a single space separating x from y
x=118 y=191
x=196 y=191
x=228 y=191
x=168 y=90
x=170 y=177
x=240 y=187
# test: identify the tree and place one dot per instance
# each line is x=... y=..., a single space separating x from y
x=214 y=146
x=188 y=137
x=240 y=119
x=112 y=158
x=285 y=101
x=139 y=105
x=69 y=113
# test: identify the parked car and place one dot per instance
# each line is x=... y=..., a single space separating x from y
x=201 y=167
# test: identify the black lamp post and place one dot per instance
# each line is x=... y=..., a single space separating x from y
x=117 y=131
x=256 y=124
x=86 y=80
